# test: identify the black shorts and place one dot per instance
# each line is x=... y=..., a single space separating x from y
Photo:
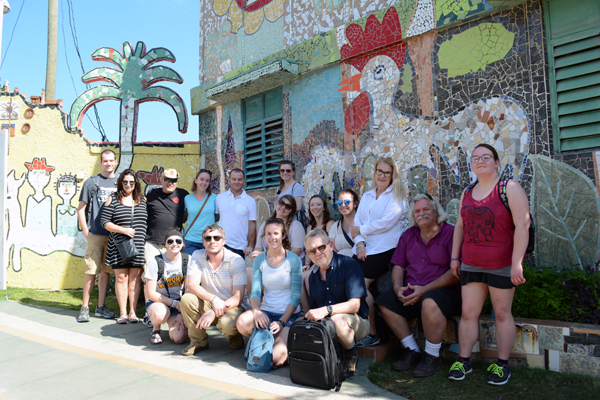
x=447 y=299
x=495 y=281
x=236 y=251
x=376 y=264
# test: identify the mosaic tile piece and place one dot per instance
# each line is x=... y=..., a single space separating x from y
x=424 y=19
x=551 y=338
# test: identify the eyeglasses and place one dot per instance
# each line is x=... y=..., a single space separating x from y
x=171 y=180
x=285 y=171
x=346 y=202
x=209 y=238
x=178 y=241
x=484 y=158
x=314 y=251
x=286 y=205
x=128 y=183
x=381 y=172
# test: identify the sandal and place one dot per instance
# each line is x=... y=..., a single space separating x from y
x=155 y=337
x=134 y=319
x=122 y=319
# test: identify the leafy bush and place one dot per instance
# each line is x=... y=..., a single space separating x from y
x=583 y=295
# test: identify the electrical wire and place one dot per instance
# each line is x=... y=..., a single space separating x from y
x=13 y=32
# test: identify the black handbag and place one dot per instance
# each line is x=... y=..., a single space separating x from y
x=126 y=245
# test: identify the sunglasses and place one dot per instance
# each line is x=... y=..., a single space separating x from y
x=285 y=205
x=314 y=251
x=128 y=183
x=178 y=241
x=209 y=238
x=172 y=180
x=285 y=170
x=346 y=202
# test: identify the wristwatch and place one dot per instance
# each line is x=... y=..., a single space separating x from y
x=174 y=304
x=329 y=311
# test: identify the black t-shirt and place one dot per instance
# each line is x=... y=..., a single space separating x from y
x=164 y=211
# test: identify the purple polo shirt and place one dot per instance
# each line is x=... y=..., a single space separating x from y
x=424 y=263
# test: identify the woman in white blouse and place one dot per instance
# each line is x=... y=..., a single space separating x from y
x=339 y=233
x=378 y=224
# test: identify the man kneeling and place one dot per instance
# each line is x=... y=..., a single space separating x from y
x=422 y=286
x=215 y=292
x=337 y=289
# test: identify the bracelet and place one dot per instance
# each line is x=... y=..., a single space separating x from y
x=282 y=324
x=213 y=299
x=360 y=245
x=455 y=259
x=174 y=304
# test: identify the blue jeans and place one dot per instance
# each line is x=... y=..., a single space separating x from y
x=276 y=317
x=190 y=247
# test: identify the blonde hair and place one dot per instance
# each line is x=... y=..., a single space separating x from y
x=435 y=205
x=397 y=185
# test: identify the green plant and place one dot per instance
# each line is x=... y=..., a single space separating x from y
x=582 y=288
x=542 y=296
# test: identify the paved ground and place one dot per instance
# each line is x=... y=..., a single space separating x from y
x=45 y=353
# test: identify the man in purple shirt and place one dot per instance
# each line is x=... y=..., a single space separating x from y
x=422 y=286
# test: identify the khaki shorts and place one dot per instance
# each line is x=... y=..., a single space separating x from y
x=152 y=249
x=95 y=255
x=359 y=325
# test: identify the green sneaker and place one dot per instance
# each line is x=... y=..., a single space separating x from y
x=84 y=315
x=459 y=369
x=500 y=374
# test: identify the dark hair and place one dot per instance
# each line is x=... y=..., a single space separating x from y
x=281 y=182
x=312 y=222
x=237 y=170
x=137 y=190
x=194 y=186
x=174 y=231
x=285 y=242
x=292 y=215
x=355 y=198
x=490 y=148
x=106 y=152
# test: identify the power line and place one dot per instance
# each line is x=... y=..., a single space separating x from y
x=13 y=31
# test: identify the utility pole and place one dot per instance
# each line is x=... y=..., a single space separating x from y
x=52 y=48
x=4 y=8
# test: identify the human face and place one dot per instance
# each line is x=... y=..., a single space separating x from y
x=286 y=172
x=425 y=215
x=483 y=167
x=346 y=209
x=316 y=207
x=174 y=244
x=274 y=235
x=320 y=258
x=236 y=182
x=128 y=184
x=214 y=246
x=282 y=211
x=107 y=163
x=381 y=170
x=168 y=185
x=202 y=181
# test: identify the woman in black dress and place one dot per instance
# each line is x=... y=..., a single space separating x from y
x=117 y=219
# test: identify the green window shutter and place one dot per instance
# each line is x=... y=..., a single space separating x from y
x=263 y=139
x=573 y=32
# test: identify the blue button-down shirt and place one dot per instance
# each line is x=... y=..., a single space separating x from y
x=344 y=280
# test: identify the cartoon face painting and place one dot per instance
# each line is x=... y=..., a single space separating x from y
x=66 y=187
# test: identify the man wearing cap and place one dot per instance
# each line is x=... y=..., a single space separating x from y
x=165 y=210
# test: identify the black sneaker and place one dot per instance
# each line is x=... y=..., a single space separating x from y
x=428 y=366
x=459 y=369
x=409 y=359
x=500 y=374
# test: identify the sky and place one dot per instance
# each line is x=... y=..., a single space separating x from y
x=173 y=24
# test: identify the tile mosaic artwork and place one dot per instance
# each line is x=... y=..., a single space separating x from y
x=526 y=340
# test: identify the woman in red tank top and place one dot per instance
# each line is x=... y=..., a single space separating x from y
x=487 y=254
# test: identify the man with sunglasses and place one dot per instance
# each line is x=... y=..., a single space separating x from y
x=215 y=289
x=422 y=286
x=166 y=209
x=337 y=290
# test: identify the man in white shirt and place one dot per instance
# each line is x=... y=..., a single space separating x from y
x=237 y=215
x=215 y=292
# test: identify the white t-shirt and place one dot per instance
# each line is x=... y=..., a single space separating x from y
x=234 y=215
x=278 y=282
x=296 y=236
x=171 y=284
x=337 y=237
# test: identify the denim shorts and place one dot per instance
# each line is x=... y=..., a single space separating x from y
x=190 y=246
x=174 y=312
x=276 y=317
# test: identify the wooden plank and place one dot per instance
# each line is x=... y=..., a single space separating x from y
x=578 y=144
x=579 y=82
x=579 y=106
x=579 y=119
x=580 y=131
x=578 y=70
x=574 y=47
x=578 y=94
x=577 y=58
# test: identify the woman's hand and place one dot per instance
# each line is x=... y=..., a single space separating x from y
x=128 y=232
x=275 y=327
x=255 y=254
x=455 y=267
x=516 y=275
x=260 y=319
x=361 y=251
x=355 y=231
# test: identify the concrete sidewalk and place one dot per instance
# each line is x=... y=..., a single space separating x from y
x=45 y=353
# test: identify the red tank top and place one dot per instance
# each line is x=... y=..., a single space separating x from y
x=489 y=231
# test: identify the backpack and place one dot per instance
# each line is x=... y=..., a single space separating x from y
x=161 y=268
x=315 y=354
x=259 y=351
x=502 y=193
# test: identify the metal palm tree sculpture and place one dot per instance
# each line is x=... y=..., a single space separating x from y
x=130 y=84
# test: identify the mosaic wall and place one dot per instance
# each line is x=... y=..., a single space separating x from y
x=422 y=82
x=45 y=245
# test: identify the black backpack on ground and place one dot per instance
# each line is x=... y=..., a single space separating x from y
x=314 y=354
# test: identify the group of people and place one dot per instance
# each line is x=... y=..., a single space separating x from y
x=197 y=277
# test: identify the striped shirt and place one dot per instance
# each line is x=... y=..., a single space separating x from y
x=120 y=215
x=220 y=282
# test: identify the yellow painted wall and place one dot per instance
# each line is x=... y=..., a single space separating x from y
x=61 y=266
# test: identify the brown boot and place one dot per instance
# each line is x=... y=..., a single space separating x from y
x=193 y=348
x=237 y=342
